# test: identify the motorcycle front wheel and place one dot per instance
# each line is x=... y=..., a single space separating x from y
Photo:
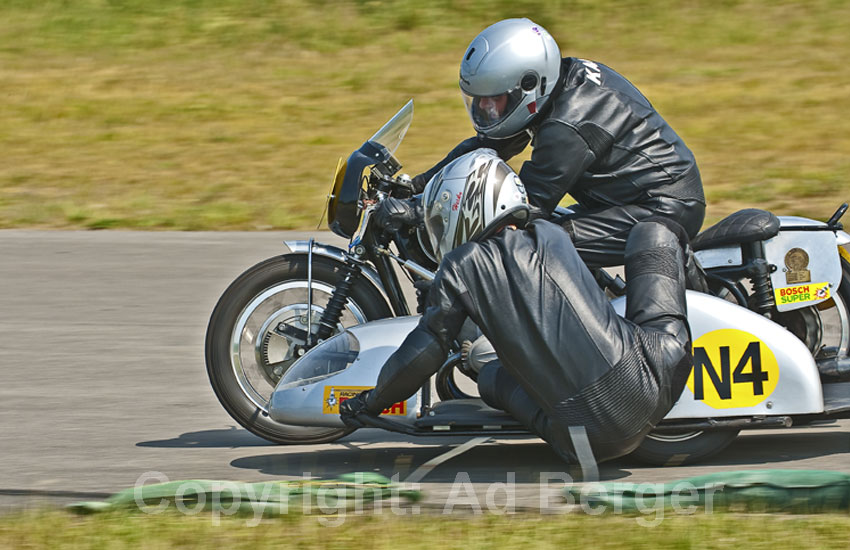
x=246 y=357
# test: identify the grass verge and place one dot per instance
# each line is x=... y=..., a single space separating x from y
x=230 y=114
x=117 y=530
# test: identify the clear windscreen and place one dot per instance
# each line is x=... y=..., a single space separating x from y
x=328 y=358
x=392 y=133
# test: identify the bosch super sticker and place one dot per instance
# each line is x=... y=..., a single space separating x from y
x=334 y=395
x=811 y=292
x=732 y=369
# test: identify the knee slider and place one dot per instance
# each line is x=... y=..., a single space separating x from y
x=656 y=245
x=671 y=225
x=488 y=383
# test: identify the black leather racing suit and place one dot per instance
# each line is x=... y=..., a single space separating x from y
x=600 y=140
x=567 y=359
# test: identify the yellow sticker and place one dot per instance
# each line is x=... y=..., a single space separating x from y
x=334 y=395
x=811 y=292
x=732 y=368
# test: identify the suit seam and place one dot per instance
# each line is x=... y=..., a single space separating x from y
x=570 y=305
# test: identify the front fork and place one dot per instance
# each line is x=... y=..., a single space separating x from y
x=333 y=311
x=351 y=273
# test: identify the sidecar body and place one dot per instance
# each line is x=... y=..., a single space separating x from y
x=747 y=369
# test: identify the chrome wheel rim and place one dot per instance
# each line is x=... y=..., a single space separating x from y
x=821 y=328
x=258 y=355
x=837 y=328
x=674 y=437
x=825 y=328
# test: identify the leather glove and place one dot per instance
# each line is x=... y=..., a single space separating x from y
x=419 y=182
x=535 y=213
x=351 y=408
x=422 y=288
x=393 y=214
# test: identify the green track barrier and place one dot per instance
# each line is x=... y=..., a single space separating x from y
x=270 y=498
x=796 y=491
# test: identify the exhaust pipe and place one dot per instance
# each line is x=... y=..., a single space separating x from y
x=834 y=367
x=713 y=424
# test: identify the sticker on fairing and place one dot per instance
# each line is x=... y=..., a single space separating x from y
x=732 y=369
x=811 y=292
x=334 y=395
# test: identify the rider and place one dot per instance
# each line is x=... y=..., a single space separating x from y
x=565 y=358
x=594 y=136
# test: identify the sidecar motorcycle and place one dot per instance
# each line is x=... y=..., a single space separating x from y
x=291 y=337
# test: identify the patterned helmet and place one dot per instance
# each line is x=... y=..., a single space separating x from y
x=472 y=196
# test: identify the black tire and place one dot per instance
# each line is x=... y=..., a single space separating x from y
x=676 y=449
x=271 y=290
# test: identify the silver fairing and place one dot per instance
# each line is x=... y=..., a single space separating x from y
x=316 y=404
x=808 y=266
x=724 y=256
x=787 y=375
x=723 y=333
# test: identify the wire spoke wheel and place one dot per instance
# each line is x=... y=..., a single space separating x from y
x=259 y=329
x=259 y=355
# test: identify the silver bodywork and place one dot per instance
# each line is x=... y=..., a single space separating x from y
x=797 y=390
x=725 y=256
x=823 y=262
x=304 y=405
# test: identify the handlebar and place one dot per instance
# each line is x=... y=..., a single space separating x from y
x=833 y=221
x=392 y=185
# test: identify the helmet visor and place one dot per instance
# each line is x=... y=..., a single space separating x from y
x=488 y=111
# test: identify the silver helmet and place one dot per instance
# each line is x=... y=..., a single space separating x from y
x=507 y=75
x=471 y=196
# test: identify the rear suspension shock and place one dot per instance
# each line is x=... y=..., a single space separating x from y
x=760 y=277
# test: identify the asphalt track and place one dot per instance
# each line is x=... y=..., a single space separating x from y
x=103 y=380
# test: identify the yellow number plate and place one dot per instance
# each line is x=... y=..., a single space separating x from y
x=334 y=395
